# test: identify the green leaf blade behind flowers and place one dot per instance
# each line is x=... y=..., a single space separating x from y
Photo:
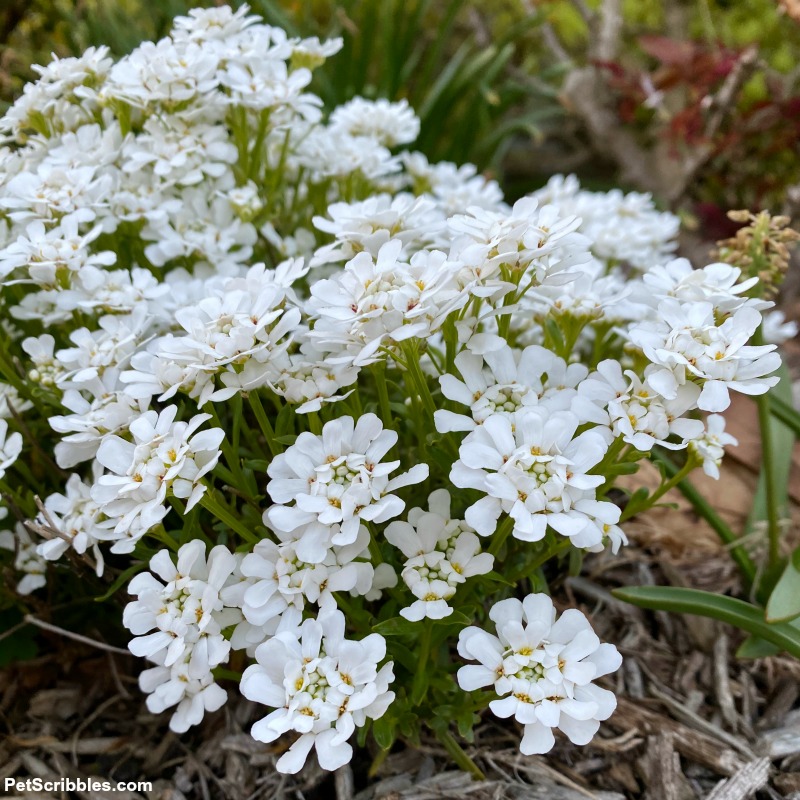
x=784 y=601
x=738 y=613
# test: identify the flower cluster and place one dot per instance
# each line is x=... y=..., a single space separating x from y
x=242 y=336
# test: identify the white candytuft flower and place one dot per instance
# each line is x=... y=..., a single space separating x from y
x=188 y=615
x=441 y=553
x=503 y=380
x=27 y=560
x=282 y=578
x=686 y=344
x=387 y=123
x=164 y=457
x=77 y=517
x=10 y=447
x=542 y=669
x=534 y=468
x=322 y=686
x=710 y=445
x=338 y=478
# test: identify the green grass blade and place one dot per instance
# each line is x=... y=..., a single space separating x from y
x=784 y=412
x=734 y=612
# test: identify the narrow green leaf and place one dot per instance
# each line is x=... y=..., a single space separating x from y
x=734 y=612
x=786 y=414
x=784 y=601
x=753 y=647
x=123 y=578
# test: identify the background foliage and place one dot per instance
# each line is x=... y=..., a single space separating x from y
x=491 y=82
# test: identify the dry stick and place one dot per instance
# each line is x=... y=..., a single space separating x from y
x=748 y=780
x=664 y=776
x=722 y=683
x=721 y=105
x=681 y=711
x=46 y=626
x=88 y=721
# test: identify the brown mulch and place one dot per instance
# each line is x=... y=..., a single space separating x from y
x=693 y=722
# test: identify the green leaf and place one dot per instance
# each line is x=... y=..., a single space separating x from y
x=384 y=729
x=785 y=413
x=734 y=612
x=753 y=647
x=784 y=602
x=397 y=626
x=123 y=578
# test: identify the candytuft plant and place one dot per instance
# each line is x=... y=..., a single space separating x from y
x=331 y=414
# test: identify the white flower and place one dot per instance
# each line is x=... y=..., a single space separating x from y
x=382 y=301
x=503 y=380
x=441 y=553
x=622 y=227
x=302 y=568
x=529 y=244
x=46 y=368
x=455 y=188
x=10 y=399
x=536 y=470
x=777 y=329
x=183 y=610
x=636 y=412
x=177 y=686
x=369 y=224
x=27 y=560
x=164 y=457
x=109 y=412
x=710 y=445
x=718 y=284
x=542 y=670
x=77 y=517
x=388 y=123
x=685 y=343
x=10 y=447
x=338 y=478
x=321 y=686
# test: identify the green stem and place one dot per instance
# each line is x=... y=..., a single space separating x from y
x=210 y=503
x=458 y=755
x=414 y=371
x=379 y=371
x=263 y=423
x=420 y=685
x=671 y=483
x=703 y=508
x=768 y=466
x=500 y=535
x=230 y=452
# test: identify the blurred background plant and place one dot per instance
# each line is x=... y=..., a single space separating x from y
x=696 y=102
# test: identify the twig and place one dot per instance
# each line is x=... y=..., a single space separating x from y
x=722 y=683
x=748 y=780
x=608 y=36
x=343 y=780
x=682 y=712
x=46 y=626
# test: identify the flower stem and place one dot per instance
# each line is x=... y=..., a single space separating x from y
x=418 y=378
x=691 y=463
x=768 y=467
x=263 y=423
x=379 y=371
x=500 y=535
x=210 y=503
x=420 y=686
x=458 y=755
